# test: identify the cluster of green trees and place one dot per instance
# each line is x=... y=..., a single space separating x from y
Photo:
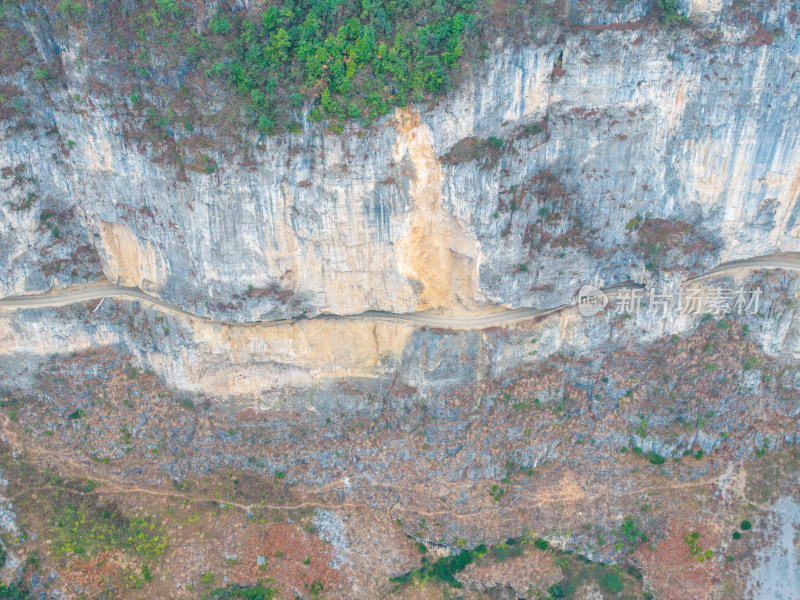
x=359 y=59
x=255 y=592
x=13 y=592
x=331 y=59
x=73 y=11
x=443 y=569
x=577 y=569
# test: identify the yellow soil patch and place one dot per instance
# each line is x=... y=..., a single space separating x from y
x=259 y=358
x=128 y=261
x=438 y=254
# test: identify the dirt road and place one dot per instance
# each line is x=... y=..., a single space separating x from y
x=97 y=291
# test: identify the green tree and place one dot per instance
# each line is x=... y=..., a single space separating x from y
x=278 y=45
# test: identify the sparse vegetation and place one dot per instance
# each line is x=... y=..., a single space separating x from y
x=78 y=413
x=255 y=592
x=82 y=527
x=108 y=419
x=73 y=11
x=497 y=493
x=634 y=223
x=751 y=363
x=670 y=14
x=486 y=151
x=695 y=549
x=577 y=569
x=444 y=569
x=629 y=535
x=13 y=592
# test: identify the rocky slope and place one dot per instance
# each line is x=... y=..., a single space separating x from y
x=562 y=456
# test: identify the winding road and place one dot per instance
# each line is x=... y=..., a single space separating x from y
x=788 y=261
x=98 y=291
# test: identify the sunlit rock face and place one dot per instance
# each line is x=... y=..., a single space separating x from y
x=577 y=142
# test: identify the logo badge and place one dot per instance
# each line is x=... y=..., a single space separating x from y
x=591 y=300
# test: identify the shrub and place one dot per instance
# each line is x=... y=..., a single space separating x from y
x=563 y=589
x=534 y=129
x=611 y=582
x=12 y=592
x=72 y=10
x=255 y=592
x=746 y=525
x=488 y=151
x=541 y=544
x=751 y=363
x=497 y=493
x=168 y=7
x=737 y=535
x=633 y=223
x=506 y=549
x=655 y=458
x=77 y=414
x=630 y=530
x=695 y=549
x=670 y=14
x=220 y=26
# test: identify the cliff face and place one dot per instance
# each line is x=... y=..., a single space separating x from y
x=617 y=142
x=592 y=154
x=589 y=133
